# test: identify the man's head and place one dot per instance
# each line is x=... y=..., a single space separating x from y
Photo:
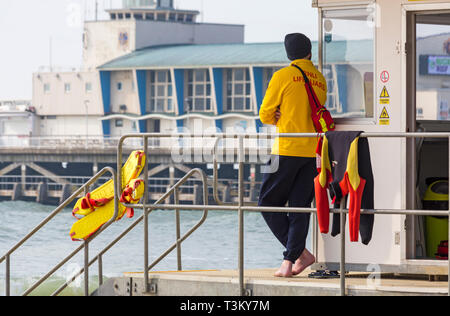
x=298 y=46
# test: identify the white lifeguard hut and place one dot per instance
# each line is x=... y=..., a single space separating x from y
x=406 y=88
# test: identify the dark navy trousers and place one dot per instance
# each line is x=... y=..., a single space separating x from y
x=293 y=183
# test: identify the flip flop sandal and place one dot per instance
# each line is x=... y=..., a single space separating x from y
x=323 y=274
x=333 y=275
x=320 y=274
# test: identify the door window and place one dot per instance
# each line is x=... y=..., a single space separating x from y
x=348 y=61
x=433 y=69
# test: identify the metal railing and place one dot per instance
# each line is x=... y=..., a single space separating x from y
x=66 y=142
x=99 y=257
x=177 y=245
x=160 y=184
x=56 y=187
x=85 y=245
x=241 y=207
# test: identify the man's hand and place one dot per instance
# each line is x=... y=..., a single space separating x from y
x=277 y=116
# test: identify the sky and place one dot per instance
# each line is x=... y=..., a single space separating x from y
x=27 y=27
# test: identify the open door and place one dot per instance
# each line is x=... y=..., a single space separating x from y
x=428 y=99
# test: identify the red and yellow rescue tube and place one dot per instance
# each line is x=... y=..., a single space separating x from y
x=105 y=193
x=97 y=207
x=91 y=223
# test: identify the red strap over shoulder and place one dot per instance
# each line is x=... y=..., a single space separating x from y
x=321 y=117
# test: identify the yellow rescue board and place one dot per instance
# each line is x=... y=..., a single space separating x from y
x=105 y=193
x=88 y=225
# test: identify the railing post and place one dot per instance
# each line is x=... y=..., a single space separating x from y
x=145 y=201
x=241 y=157
x=145 y=250
x=315 y=233
x=86 y=268
x=178 y=230
x=8 y=276
x=100 y=270
x=342 y=264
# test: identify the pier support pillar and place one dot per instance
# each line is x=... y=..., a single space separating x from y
x=94 y=168
x=172 y=175
x=42 y=193
x=17 y=192
x=227 y=194
x=198 y=195
x=170 y=199
x=23 y=173
x=253 y=192
x=65 y=193
x=171 y=182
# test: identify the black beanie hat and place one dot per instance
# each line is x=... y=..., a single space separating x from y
x=298 y=46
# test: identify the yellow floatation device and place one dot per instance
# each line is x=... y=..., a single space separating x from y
x=105 y=193
x=88 y=225
x=97 y=207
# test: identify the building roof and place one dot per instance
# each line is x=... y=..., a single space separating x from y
x=185 y=56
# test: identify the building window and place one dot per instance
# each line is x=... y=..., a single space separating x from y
x=189 y=18
x=123 y=108
x=267 y=76
x=161 y=16
x=180 y=17
x=420 y=112
x=198 y=91
x=238 y=90
x=88 y=87
x=46 y=88
x=160 y=92
x=67 y=87
x=171 y=16
x=119 y=86
x=165 y=3
x=119 y=123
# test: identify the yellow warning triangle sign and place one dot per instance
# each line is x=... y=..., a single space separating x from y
x=384 y=93
x=384 y=114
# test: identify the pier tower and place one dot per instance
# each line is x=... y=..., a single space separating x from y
x=144 y=23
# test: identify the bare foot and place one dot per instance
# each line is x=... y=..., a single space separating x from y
x=285 y=270
x=305 y=260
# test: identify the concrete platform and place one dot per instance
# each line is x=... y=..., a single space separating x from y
x=263 y=283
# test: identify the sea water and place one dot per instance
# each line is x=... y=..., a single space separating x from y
x=213 y=246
